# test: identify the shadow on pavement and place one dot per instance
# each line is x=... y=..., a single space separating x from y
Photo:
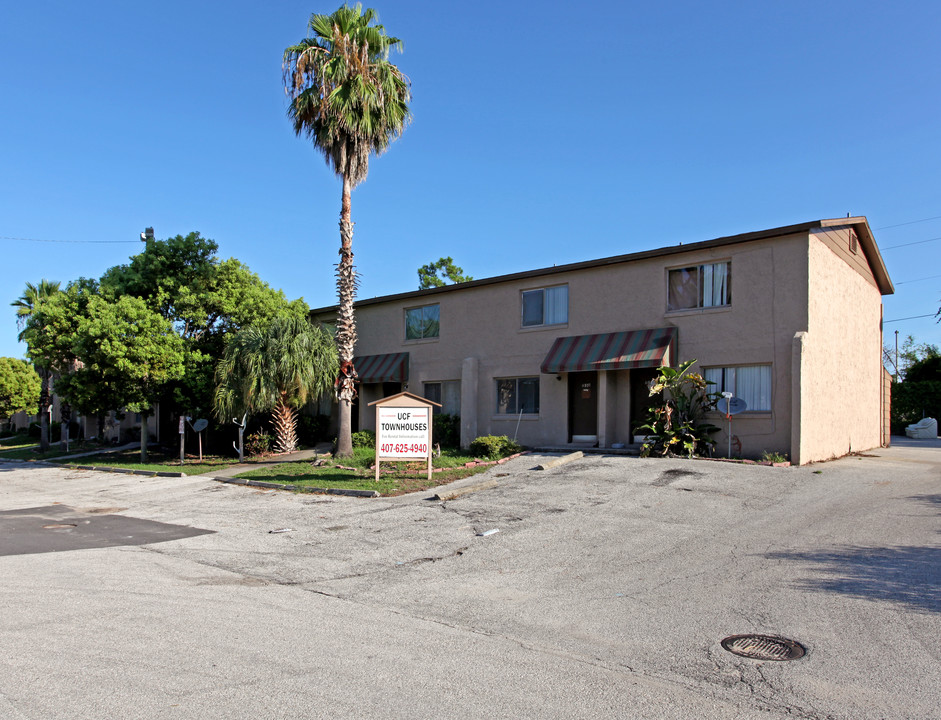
x=907 y=575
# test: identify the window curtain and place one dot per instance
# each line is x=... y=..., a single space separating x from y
x=717 y=376
x=715 y=284
x=557 y=305
x=753 y=385
x=451 y=397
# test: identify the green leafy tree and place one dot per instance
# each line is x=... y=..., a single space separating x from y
x=26 y=306
x=438 y=274
x=19 y=387
x=126 y=353
x=204 y=298
x=351 y=102
x=275 y=368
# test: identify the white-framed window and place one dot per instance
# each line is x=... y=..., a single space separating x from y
x=446 y=393
x=422 y=322
x=700 y=286
x=751 y=383
x=545 y=306
x=518 y=395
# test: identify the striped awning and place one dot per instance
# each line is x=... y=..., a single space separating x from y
x=382 y=368
x=610 y=351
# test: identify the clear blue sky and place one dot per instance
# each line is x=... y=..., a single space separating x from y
x=544 y=133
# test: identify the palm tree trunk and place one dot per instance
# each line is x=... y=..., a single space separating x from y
x=144 y=436
x=285 y=426
x=346 y=326
x=65 y=413
x=44 y=403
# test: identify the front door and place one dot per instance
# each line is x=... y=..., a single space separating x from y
x=583 y=406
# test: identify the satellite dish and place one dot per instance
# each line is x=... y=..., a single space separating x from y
x=200 y=425
x=731 y=406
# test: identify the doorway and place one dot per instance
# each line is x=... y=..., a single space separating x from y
x=640 y=395
x=583 y=407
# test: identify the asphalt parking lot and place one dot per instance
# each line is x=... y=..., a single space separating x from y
x=605 y=592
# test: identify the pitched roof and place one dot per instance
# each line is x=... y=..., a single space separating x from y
x=859 y=223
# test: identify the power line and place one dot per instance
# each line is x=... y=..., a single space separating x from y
x=910 y=222
x=913 y=317
x=109 y=242
x=930 y=277
x=918 y=242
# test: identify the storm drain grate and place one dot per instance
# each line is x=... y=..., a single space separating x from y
x=764 y=647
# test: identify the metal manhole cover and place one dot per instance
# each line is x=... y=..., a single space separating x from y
x=764 y=647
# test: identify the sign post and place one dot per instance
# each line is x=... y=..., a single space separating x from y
x=182 y=438
x=403 y=429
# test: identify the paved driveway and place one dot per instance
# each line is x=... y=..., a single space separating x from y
x=605 y=593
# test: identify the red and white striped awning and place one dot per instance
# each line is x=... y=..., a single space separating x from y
x=382 y=368
x=611 y=351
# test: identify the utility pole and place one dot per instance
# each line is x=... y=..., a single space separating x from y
x=896 y=356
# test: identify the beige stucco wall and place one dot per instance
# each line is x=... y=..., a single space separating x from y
x=482 y=324
x=841 y=370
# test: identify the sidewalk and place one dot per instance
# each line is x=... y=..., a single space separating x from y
x=319 y=450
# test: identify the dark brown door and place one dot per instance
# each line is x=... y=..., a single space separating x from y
x=583 y=403
x=640 y=395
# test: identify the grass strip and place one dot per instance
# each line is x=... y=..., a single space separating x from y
x=355 y=474
x=157 y=462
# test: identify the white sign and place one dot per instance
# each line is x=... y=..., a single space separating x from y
x=403 y=432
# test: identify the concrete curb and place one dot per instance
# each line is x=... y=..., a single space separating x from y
x=466 y=490
x=123 y=471
x=555 y=462
x=294 y=488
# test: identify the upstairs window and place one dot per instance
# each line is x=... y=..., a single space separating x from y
x=546 y=306
x=700 y=286
x=751 y=383
x=422 y=322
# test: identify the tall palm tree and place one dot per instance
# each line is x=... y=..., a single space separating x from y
x=351 y=102
x=275 y=369
x=26 y=306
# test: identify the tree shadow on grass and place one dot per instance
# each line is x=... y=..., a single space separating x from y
x=907 y=575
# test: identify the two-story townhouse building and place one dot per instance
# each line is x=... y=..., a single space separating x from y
x=788 y=319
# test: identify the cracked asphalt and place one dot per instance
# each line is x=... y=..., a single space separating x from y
x=605 y=593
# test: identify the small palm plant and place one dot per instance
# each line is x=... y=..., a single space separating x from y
x=276 y=369
x=675 y=425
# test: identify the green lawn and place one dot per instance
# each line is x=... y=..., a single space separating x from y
x=157 y=462
x=395 y=478
x=29 y=452
x=16 y=441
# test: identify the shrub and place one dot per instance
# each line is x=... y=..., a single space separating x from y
x=675 y=425
x=446 y=430
x=34 y=430
x=493 y=446
x=312 y=429
x=774 y=457
x=364 y=439
x=258 y=443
